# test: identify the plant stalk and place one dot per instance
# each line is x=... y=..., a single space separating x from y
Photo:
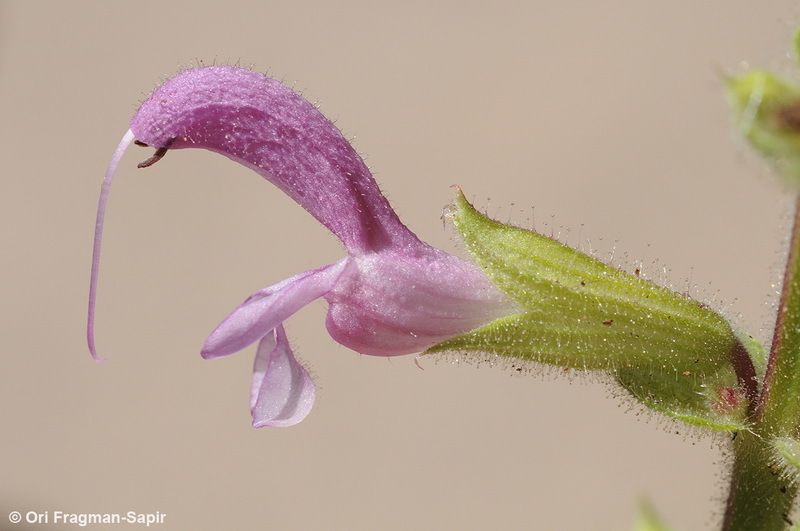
x=760 y=497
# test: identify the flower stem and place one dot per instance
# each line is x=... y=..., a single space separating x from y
x=760 y=498
x=778 y=407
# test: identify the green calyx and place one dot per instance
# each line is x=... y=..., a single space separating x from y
x=767 y=112
x=669 y=351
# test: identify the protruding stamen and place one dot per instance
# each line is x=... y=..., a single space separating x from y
x=158 y=155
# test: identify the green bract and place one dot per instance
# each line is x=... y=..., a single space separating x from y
x=669 y=351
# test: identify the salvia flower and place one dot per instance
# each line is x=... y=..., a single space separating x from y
x=392 y=294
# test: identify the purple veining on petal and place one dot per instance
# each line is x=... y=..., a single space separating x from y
x=258 y=122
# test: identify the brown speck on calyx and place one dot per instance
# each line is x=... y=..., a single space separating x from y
x=608 y=322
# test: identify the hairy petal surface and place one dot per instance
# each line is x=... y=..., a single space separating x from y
x=262 y=124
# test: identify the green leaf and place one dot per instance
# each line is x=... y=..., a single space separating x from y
x=671 y=352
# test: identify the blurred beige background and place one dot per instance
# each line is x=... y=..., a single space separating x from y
x=605 y=119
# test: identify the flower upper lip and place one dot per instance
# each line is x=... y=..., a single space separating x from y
x=264 y=125
x=392 y=294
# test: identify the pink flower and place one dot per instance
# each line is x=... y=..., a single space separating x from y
x=392 y=294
